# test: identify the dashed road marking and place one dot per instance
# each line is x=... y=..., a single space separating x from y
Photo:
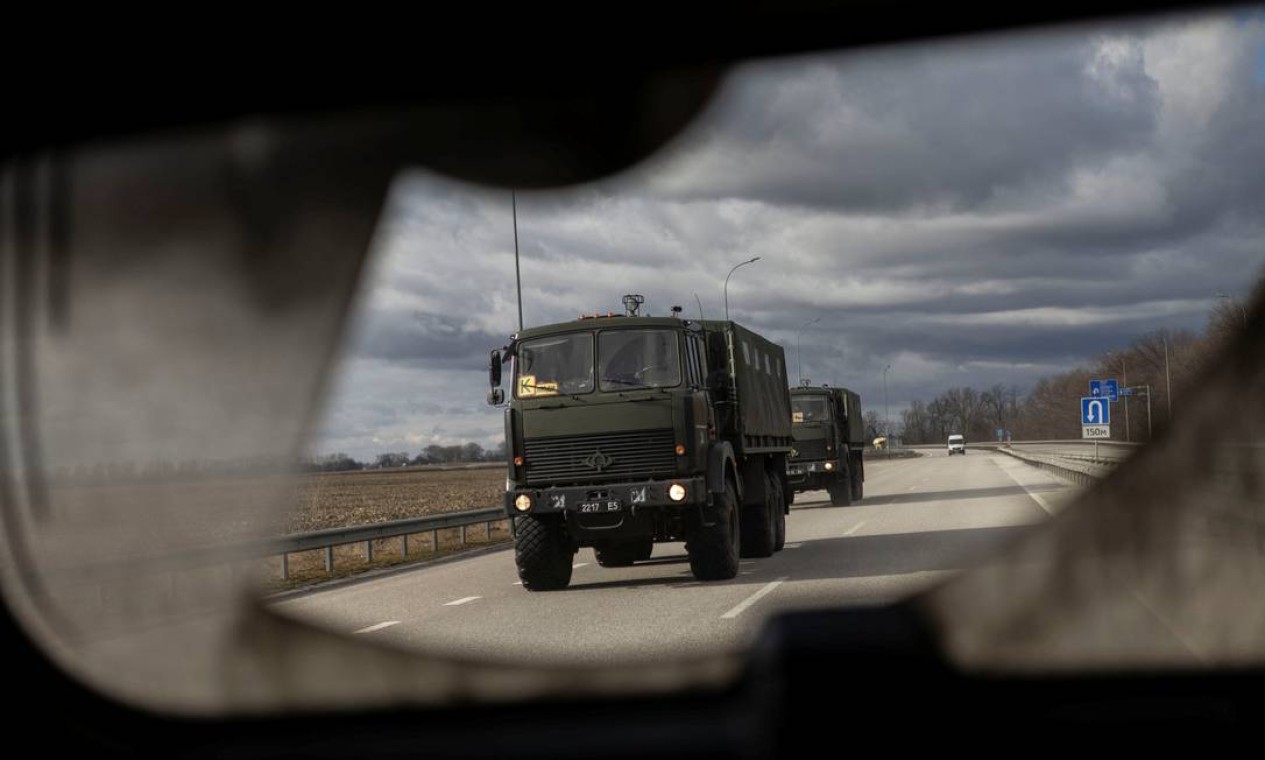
x=578 y=564
x=767 y=589
x=854 y=528
x=463 y=600
x=379 y=626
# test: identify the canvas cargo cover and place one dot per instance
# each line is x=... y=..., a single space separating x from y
x=764 y=405
x=851 y=403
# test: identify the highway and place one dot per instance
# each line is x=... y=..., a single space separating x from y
x=921 y=519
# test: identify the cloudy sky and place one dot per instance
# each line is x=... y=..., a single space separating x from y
x=974 y=212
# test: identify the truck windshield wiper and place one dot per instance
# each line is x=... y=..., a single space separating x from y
x=621 y=381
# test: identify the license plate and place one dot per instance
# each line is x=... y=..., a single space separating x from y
x=608 y=505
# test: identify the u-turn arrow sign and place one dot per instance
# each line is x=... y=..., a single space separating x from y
x=1095 y=410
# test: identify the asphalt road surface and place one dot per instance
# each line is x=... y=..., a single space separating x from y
x=921 y=520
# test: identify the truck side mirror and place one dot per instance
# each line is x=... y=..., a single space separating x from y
x=496 y=396
x=494 y=369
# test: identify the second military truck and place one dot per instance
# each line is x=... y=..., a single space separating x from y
x=623 y=431
x=829 y=438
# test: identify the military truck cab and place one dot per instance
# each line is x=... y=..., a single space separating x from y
x=829 y=440
x=624 y=431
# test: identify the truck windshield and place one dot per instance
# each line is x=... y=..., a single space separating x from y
x=809 y=409
x=638 y=359
x=559 y=364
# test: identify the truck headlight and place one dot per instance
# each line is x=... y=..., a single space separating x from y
x=830 y=466
x=676 y=492
x=522 y=502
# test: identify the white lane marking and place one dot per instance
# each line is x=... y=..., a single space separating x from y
x=518 y=583
x=911 y=488
x=854 y=528
x=379 y=626
x=580 y=564
x=463 y=600
x=1038 y=498
x=767 y=589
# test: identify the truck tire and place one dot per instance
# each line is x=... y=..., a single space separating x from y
x=714 y=550
x=840 y=491
x=858 y=488
x=543 y=553
x=779 y=524
x=759 y=531
x=623 y=553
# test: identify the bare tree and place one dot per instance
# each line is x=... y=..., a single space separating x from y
x=873 y=424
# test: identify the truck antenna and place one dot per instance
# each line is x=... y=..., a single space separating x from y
x=518 y=274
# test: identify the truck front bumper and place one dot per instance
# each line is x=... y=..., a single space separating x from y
x=607 y=498
x=801 y=470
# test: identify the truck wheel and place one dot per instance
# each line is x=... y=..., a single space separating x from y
x=714 y=550
x=759 y=532
x=543 y=552
x=623 y=553
x=840 y=491
x=779 y=525
x=858 y=488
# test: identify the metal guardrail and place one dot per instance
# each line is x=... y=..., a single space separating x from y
x=193 y=557
x=1086 y=462
x=333 y=537
x=1082 y=473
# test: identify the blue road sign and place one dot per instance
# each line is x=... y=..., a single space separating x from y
x=1112 y=390
x=1095 y=387
x=1126 y=391
x=1095 y=411
x=1000 y=433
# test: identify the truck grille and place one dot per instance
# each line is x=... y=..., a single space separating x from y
x=810 y=451
x=600 y=458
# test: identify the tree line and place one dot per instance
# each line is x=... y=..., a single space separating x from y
x=1050 y=410
x=433 y=454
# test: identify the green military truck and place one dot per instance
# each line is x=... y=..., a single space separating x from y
x=623 y=431
x=829 y=438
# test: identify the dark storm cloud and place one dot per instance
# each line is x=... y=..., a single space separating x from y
x=947 y=126
x=984 y=211
x=428 y=341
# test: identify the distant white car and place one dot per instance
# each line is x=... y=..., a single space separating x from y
x=957 y=445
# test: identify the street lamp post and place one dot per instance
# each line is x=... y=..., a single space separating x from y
x=887 y=411
x=1124 y=373
x=1168 y=381
x=751 y=260
x=798 y=353
x=1148 y=411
